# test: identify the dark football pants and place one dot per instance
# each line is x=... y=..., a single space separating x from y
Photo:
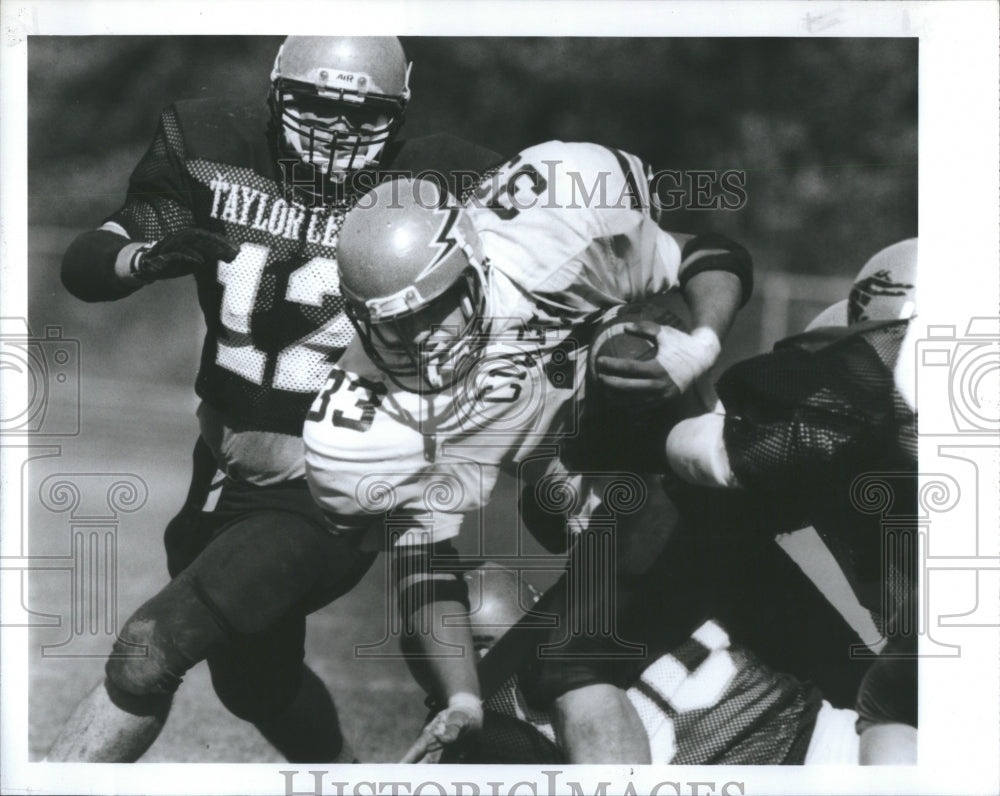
x=246 y=576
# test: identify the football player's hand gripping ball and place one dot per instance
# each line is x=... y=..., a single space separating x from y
x=181 y=253
x=680 y=358
x=464 y=715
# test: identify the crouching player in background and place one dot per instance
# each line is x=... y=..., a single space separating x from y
x=464 y=363
x=802 y=426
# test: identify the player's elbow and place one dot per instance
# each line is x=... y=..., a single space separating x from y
x=88 y=266
x=717 y=254
x=73 y=274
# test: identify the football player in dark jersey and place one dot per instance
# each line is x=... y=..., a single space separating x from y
x=249 y=199
x=802 y=424
x=703 y=698
x=682 y=563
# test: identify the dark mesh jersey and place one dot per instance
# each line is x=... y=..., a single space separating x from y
x=274 y=316
x=805 y=422
x=704 y=702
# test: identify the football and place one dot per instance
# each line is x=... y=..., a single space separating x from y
x=624 y=430
x=623 y=344
x=612 y=341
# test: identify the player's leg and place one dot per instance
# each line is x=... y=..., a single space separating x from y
x=598 y=724
x=308 y=729
x=122 y=717
x=117 y=722
x=584 y=685
x=263 y=679
x=262 y=575
x=110 y=726
x=262 y=566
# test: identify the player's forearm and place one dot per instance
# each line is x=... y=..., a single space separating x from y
x=442 y=658
x=716 y=277
x=97 y=266
x=441 y=655
x=714 y=298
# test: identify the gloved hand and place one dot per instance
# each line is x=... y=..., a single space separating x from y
x=181 y=253
x=680 y=359
x=464 y=715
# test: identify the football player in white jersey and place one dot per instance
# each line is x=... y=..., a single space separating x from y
x=471 y=351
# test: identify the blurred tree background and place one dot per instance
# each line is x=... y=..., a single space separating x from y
x=824 y=129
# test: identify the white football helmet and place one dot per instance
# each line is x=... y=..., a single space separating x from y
x=412 y=273
x=885 y=288
x=498 y=598
x=338 y=100
x=834 y=315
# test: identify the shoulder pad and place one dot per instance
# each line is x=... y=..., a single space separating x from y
x=575 y=156
x=225 y=131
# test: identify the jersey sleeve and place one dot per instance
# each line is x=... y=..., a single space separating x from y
x=161 y=194
x=159 y=200
x=574 y=225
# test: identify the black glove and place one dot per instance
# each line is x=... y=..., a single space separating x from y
x=180 y=253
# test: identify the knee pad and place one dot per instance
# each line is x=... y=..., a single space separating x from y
x=164 y=638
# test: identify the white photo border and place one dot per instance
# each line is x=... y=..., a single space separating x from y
x=958 y=212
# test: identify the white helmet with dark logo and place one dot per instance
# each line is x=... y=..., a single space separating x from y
x=412 y=273
x=885 y=288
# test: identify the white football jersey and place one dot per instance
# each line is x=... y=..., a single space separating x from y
x=568 y=232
